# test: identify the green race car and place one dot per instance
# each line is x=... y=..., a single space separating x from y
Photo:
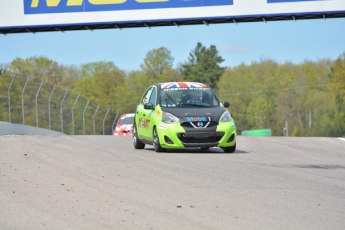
x=183 y=114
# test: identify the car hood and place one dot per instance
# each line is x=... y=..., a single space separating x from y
x=121 y=127
x=185 y=114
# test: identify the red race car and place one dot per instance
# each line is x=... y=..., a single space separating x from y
x=124 y=125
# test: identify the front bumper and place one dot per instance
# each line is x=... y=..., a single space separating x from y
x=175 y=136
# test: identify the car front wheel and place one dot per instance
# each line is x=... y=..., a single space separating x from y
x=230 y=149
x=136 y=143
x=156 y=145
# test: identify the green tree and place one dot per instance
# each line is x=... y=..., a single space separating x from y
x=99 y=82
x=203 y=65
x=337 y=87
x=157 y=67
x=39 y=70
x=259 y=111
x=37 y=67
x=157 y=62
x=238 y=85
x=5 y=81
x=337 y=78
x=172 y=75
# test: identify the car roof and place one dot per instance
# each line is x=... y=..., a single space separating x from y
x=127 y=115
x=181 y=84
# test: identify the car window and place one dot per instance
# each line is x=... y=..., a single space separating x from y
x=169 y=98
x=126 y=120
x=190 y=97
x=146 y=97
x=153 y=97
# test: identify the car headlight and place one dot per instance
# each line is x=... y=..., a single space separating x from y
x=226 y=117
x=169 y=118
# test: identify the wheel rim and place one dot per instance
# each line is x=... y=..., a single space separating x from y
x=134 y=135
x=155 y=139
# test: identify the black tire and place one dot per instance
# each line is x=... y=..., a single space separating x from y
x=156 y=145
x=136 y=143
x=230 y=149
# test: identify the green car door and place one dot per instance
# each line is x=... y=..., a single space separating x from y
x=144 y=116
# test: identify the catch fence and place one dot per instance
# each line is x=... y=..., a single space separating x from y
x=32 y=102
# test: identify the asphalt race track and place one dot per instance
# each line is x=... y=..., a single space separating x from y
x=102 y=182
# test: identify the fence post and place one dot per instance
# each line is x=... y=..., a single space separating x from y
x=105 y=118
x=23 y=99
x=286 y=128
x=36 y=103
x=73 y=113
x=50 y=127
x=84 y=115
x=93 y=121
x=61 y=109
x=9 y=99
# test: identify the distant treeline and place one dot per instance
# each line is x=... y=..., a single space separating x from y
x=308 y=97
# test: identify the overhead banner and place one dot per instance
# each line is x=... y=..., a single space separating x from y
x=36 y=13
x=55 y=6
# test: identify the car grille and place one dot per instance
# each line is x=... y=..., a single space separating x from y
x=200 y=137
x=189 y=125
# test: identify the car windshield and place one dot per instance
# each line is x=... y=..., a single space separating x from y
x=126 y=120
x=188 y=97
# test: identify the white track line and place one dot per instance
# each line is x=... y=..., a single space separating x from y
x=343 y=139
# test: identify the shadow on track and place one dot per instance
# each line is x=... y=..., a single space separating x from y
x=197 y=151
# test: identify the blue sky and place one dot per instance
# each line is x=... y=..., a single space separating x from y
x=281 y=41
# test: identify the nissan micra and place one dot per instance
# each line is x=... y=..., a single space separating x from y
x=174 y=115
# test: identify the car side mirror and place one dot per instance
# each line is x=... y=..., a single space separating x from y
x=226 y=104
x=148 y=106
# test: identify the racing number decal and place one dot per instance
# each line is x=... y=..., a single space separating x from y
x=144 y=123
